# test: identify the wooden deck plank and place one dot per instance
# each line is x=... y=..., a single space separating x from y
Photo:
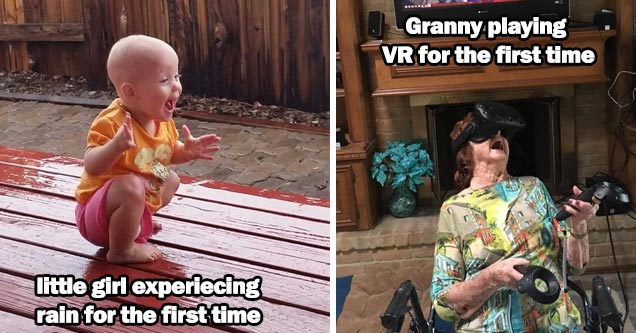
x=18 y=296
x=226 y=244
x=291 y=289
x=27 y=261
x=259 y=223
x=232 y=218
x=262 y=199
x=186 y=209
x=210 y=190
x=210 y=229
x=207 y=190
x=18 y=324
x=271 y=224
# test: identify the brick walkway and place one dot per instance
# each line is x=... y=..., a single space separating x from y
x=262 y=157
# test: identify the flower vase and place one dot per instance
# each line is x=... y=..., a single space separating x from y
x=402 y=202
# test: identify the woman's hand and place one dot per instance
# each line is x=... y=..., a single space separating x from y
x=503 y=273
x=468 y=296
x=581 y=211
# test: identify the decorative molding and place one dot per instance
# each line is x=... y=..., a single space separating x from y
x=412 y=71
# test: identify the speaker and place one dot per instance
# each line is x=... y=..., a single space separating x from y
x=605 y=19
x=340 y=137
x=376 y=24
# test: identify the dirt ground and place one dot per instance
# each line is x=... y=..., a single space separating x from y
x=40 y=84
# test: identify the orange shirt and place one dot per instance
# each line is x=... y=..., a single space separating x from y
x=151 y=153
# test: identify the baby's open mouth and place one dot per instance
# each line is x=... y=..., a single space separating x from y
x=170 y=105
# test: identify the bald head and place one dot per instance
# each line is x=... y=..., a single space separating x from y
x=131 y=56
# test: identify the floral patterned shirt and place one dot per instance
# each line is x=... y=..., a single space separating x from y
x=513 y=218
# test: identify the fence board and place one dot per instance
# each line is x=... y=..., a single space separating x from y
x=274 y=52
x=95 y=49
x=53 y=10
x=71 y=11
x=4 y=47
x=52 y=13
x=33 y=11
x=43 y=32
x=50 y=56
x=18 y=55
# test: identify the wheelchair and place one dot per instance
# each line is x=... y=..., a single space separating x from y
x=597 y=316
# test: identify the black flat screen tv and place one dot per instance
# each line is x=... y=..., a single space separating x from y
x=434 y=10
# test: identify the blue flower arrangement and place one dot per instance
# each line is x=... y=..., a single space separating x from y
x=403 y=164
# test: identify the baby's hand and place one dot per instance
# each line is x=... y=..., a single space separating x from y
x=199 y=147
x=124 y=139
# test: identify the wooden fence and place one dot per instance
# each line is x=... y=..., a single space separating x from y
x=273 y=52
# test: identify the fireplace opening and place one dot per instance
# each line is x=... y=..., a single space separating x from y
x=534 y=151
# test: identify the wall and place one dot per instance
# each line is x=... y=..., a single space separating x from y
x=274 y=52
x=398 y=250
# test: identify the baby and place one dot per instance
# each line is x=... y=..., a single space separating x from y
x=130 y=144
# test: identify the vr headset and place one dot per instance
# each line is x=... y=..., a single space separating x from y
x=488 y=119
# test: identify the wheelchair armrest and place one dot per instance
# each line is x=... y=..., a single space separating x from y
x=587 y=309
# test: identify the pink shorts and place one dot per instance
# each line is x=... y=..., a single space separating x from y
x=92 y=222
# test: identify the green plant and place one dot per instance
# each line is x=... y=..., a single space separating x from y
x=403 y=164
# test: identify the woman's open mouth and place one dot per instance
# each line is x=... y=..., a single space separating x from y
x=497 y=145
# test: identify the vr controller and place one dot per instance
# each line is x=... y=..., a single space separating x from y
x=527 y=284
x=488 y=118
x=603 y=191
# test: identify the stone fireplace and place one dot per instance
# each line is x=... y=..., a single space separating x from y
x=545 y=148
x=566 y=123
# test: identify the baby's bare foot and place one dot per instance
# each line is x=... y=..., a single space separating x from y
x=139 y=253
x=156 y=227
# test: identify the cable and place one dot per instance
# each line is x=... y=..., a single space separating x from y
x=612 y=86
x=620 y=279
x=619 y=130
x=619 y=138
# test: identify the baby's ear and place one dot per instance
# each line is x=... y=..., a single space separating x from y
x=127 y=90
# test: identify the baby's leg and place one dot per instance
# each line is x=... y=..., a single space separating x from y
x=125 y=203
x=169 y=189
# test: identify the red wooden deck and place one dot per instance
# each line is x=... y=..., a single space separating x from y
x=210 y=228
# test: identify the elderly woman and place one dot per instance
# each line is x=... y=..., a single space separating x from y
x=495 y=223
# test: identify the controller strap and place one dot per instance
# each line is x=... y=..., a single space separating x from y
x=564 y=261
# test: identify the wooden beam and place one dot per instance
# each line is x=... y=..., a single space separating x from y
x=354 y=73
x=42 y=32
x=622 y=163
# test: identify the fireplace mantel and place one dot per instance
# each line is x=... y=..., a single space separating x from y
x=409 y=80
